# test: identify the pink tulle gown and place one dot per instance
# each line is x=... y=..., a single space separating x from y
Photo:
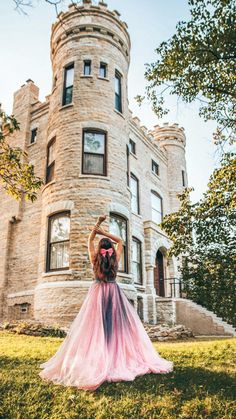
x=106 y=342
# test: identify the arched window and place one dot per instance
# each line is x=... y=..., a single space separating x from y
x=118 y=227
x=58 y=241
x=137 y=260
x=94 y=152
x=134 y=186
x=157 y=207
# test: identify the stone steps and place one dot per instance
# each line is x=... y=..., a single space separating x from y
x=195 y=313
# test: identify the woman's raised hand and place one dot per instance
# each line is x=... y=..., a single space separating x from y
x=101 y=218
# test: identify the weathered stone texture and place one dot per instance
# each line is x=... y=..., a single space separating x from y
x=98 y=34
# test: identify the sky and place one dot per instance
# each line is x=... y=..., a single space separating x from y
x=25 y=53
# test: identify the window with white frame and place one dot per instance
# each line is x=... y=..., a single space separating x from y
x=87 y=67
x=118 y=227
x=157 y=211
x=136 y=260
x=134 y=186
x=94 y=152
x=58 y=241
x=103 y=70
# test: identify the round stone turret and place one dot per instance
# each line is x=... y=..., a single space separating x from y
x=171 y=139
x=89 y=123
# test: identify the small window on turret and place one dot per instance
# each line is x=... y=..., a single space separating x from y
x=183 y=178
x=118 y=89
x=68 y=84
x=103 y=70
x=33 y=135
x=87 y=67
x=155 y=168
x=132 y=146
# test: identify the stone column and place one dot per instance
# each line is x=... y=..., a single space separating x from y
x=150 y=280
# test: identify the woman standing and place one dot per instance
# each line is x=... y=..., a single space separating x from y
x=106 y=340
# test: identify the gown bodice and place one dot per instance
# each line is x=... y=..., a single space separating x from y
x=108 y=280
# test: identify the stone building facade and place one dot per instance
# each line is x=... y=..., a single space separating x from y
x=95 y=158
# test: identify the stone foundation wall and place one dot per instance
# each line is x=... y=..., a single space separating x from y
x=165 y=311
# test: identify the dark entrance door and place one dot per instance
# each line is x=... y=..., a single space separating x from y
x=159 y=275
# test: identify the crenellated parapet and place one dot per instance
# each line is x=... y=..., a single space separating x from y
x=168 y=135
x=89 y=20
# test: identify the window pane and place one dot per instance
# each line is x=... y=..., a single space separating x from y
x=50 y=172
x=121 y=265
x=117 y=85
x=156 y=202
x=51 y=153
x=118 y=102
x=93 y=164
x=132 y=146
x=102 y=71
x=136 y=272
x=68 y=95
x=156 y=216
x=136 y=251
x=33 y=135
x=94 y=142
x=118 y=227
x=87 y=68
x=69 y=77
x=134 y=194
x=59 y=257
x=60 y=228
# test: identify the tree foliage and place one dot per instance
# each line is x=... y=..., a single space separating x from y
x=203 y=237
x=16 y=174
x=198 y=62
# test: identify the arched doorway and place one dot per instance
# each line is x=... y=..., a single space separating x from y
x=159 y=282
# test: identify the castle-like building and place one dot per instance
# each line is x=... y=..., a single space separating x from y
x=95 y=158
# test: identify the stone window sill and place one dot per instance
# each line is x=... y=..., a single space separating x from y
x=103 y=78
x=137 y=215
x=48 y=184
x=69 y=105
x=30 y=144
x=119 y=113
x=94 y=176
x=139 y=287
x=132 y=154
x=89 y=76
x=157 y=176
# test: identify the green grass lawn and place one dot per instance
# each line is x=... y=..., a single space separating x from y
x=202 y=384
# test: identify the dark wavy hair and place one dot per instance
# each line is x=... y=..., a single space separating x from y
x=105 y=266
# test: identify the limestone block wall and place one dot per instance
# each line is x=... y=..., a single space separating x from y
x=165 y=310
x=18 y=267
x=98 y=34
